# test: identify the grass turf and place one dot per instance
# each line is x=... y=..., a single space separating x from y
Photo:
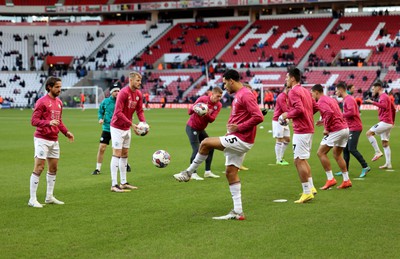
x=167 y=219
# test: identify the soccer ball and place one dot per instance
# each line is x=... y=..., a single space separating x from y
x=142 y=128
x=161 y=158
x=201 y=109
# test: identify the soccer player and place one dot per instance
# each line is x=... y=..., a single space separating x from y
x=241 y=127
x=196 y=125
x=301 y=110
x=336 y=134
x=105 y=113
x=47 y=118
x=387 y=114
x=129 y=100
x=351 y=115
x=281 y=133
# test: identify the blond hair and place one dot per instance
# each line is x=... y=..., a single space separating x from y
x=217 y=89
x=134 y=74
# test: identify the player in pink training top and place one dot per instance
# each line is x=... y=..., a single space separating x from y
x=387 y=114
x=336 y=136
x=129 y=100
x=196 y=125
x=281 y=133
x=301 y=110
x=351 y=114
x=241 y=127
x=47 y=119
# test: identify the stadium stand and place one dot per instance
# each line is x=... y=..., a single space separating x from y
x=16 y=85
x=286 y=40
x=169 y=84
x=372 y=33
x=393 y=79
x=127 y=42
x=203 y=40
x=361 y=79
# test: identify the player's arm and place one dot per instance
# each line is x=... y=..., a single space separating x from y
x=119 y=105
x=383 y=103
x=212 y=115
x=37 y=120
x=254 y=110
x=351 y=110
x=296 y=110
x=102 y=111
x=139 y=110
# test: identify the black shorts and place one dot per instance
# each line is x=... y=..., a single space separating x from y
x=105 y=137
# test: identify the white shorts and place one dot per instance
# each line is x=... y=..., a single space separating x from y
x=235 y=150
x=336 y=139
x=120 y=138
x=279 y=131
x=46 y=148
x=382 y=129
x=302 y=144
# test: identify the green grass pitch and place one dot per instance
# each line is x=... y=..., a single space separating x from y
x=167 y=219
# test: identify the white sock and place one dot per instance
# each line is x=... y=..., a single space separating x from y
x=114 y=170
x=98 y=166
x=374 y=144
x=278 y=151
x=51 y=181
x=329 y=175
x=388 y=155
x=207 y=172
x=196 y=162
x=310 y=182
x=284 y=146
x=236 y=197
x=306 y=187
x=123 y=161
x=345 y=176
x=33 y=186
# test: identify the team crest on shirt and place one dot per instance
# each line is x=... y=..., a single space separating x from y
x=137 y=98
x=215 y=107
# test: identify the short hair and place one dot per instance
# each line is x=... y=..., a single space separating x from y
x=349 y=86
x=217 y=89
x=317 y=88
x=378 y=83
x=232 y=74
x=134 y=74
x=51 y=81
x=295 y=72
x=341 y=85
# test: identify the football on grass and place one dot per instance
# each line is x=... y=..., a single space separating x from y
x=142 y=128
x=161 y=158
x=200 y=108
